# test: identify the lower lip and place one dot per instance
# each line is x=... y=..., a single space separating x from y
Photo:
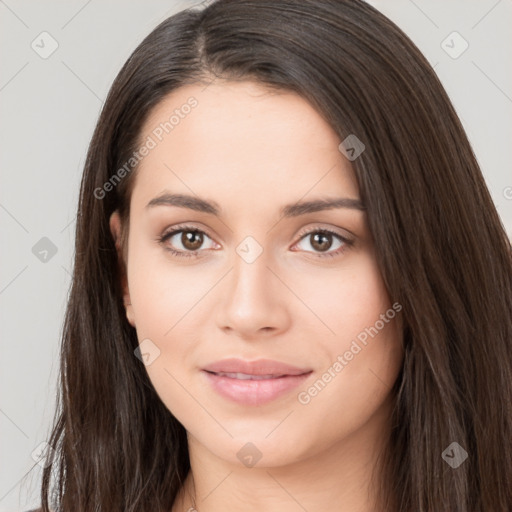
x=254 y=392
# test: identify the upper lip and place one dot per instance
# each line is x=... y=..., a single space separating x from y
x=258 y=367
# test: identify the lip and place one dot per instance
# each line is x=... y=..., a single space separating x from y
x=274 y=379
x=257 y=367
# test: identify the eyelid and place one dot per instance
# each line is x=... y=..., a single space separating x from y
x=302 y=232
x=343 y=234
x=185 y=227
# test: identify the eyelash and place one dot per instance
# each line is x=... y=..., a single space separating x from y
x=194 y=254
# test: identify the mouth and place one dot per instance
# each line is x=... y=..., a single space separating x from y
x=253 y=390
x=259 y=368
x=246 y=376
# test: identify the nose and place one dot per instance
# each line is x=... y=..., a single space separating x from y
x=254 y=300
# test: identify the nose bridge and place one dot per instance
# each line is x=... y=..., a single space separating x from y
x=252 y=300
x=250 y=276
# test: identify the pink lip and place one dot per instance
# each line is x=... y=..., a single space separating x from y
x=258 y=367
x=254 y=392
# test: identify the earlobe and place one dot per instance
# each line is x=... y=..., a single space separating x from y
x=115 y=229
x=129 y=312
x=129 y=317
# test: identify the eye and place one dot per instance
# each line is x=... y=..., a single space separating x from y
x=321 y=240
x=191 y=240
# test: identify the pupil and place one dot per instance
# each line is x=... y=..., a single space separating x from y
x=321 y=246
x=187 y=239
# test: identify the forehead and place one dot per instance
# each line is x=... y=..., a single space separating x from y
x=240 y=140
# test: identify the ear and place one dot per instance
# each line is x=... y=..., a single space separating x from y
x=115 y=229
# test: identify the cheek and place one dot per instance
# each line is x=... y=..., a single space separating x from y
x=166 y=300
x=163 y=298
x=163 y=292
x=343 y=301
x=361 y=347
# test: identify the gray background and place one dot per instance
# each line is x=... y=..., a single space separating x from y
x=48 y=109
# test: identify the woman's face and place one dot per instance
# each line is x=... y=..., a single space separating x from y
x=259 y=279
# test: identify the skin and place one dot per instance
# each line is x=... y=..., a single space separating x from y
x=253 y=150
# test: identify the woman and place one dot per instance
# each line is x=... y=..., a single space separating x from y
x=291 y=287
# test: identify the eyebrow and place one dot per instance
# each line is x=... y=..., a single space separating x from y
x=289 y=210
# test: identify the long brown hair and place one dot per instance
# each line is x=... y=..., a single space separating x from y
x=441 y=249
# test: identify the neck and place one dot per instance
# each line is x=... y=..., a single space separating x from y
x=340 y=478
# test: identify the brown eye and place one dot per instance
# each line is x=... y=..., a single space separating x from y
x=192 y=240
x=185 y=241
x=321 y=241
